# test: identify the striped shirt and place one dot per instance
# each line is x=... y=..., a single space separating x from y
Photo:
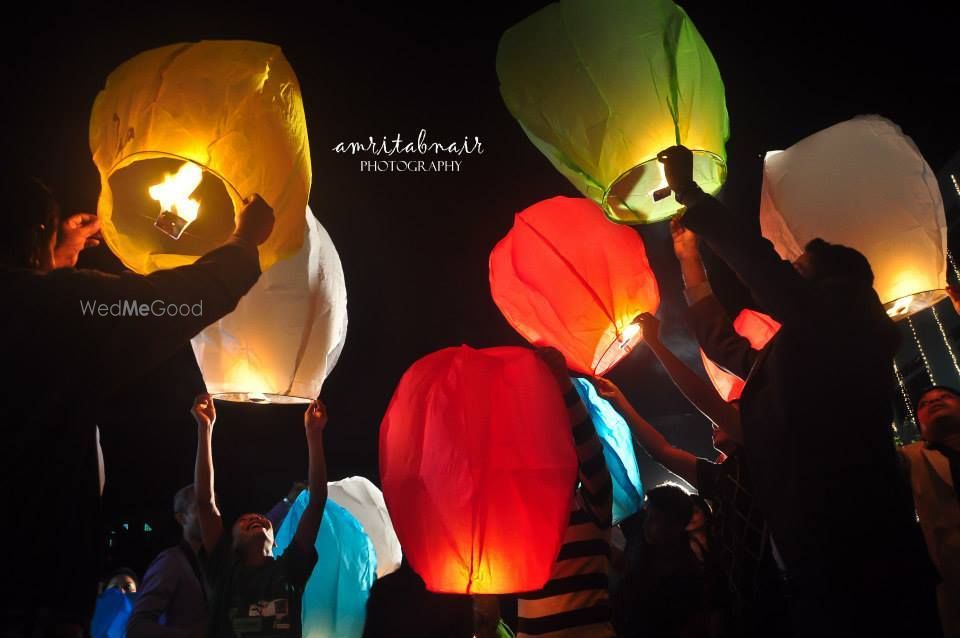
x=575 y=601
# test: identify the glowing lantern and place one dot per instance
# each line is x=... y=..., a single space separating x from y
x=365 y=502
x=862 y=183
x=218 y=120
x=565 y=277
x=758 y=329
x=618 y=451
x=601 y=86
x=286 y=334
x=334 y=601
x=479 y=469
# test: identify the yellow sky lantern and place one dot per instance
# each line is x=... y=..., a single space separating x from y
x=601 y=86
x=864 y=184
x=182 y=134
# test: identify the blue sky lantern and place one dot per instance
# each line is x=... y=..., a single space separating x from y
x=618 y=451
x=335 y=599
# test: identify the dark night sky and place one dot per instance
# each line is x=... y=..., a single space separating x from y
x=415 y=246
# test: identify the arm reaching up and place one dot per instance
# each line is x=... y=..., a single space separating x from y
x=314 y=422
x=680 y=462
x=211 y=522
x=776 y=285
x=697 y=391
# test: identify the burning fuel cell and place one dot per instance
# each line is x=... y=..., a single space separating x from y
x=177 y=209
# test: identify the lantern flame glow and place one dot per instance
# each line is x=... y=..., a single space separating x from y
x=900 y=307
x=629 y=333
x=175 y=190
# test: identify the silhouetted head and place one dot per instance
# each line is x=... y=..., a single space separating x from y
x=822 y=260
x=30 y=235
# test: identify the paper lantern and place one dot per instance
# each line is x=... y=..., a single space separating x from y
x=334 y=603
x=565 y=277
x=365 y=502
x=758 y=329
x=479 y=468
x=617 y=442
x=215 y=121
x=601 y=86
x=862 y=183
x=286 y=334
x=112 y=613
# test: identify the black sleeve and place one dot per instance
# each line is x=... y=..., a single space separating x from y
x=298 y=565
x=720 y=342
x=774 y=283
x=117 y=349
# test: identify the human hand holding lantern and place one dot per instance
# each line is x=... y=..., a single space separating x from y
x=203 y=411
x=953 y=291
x=315 y=419
x=609 y=390
x=650 y=326
x=75 y=233
x=255 y=221
x=684 y=241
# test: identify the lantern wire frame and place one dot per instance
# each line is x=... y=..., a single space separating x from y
x=145 y=155
x=623 y=199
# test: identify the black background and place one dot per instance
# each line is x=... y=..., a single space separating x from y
x=414 y=246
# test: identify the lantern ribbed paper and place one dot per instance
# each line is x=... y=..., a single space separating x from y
x=618 y=451
x=365 y=502
x=231 y=107
x=601 y=86
x=864 y=184
x=334 y=601
x=758 y=329
x=479 y=469
x=566 y=277
x=286 y=333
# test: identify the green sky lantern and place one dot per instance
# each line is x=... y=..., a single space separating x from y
x=600 y=86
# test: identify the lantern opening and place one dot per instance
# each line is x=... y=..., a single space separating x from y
x=261 y=398
x=911 y=304
x=637 y=196
x=195 y=208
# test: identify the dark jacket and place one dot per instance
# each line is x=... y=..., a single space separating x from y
x=816 y=409
x=60 y=363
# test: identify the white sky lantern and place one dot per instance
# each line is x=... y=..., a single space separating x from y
x=286 y=334
x=365 y=501
x=864 y=184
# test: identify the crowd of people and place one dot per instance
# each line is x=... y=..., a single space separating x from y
x=787 y=534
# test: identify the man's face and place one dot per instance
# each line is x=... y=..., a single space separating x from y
x=938 y=413
x=124 y=583
x=189 y=522
x=659 y=528
x=253 y=530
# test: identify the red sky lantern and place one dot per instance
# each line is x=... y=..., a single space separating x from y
x=566 y=277
x=758 y=329
x=478 y=469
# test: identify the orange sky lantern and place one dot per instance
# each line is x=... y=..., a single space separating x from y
x=478 y=469
x=566 y=277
